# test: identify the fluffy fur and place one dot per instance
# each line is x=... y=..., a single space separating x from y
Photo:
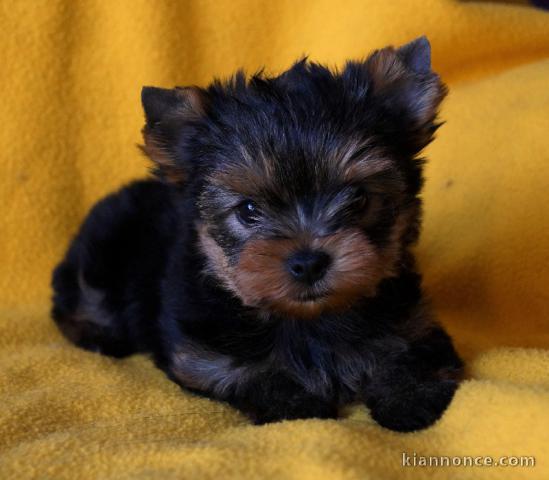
x=267 y=264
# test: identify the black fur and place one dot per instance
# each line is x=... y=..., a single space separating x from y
x=163 y=266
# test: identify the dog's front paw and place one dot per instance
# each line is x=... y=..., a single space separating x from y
x=310 y=408
x=414 y=407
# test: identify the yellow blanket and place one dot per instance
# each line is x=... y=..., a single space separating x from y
x=70 y=119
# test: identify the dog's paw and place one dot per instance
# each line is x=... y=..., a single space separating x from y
x=413 y=408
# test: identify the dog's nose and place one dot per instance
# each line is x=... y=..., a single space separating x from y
x=308 y=266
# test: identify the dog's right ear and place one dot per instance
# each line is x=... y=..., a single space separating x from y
x=408 y=90
x=168 y=112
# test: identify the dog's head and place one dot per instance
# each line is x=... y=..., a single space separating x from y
x=306 y=183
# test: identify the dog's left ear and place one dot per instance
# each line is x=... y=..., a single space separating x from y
x=168 y=114
x=416 y=55
x=403 y=83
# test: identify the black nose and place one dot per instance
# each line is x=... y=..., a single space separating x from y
x=308 y=266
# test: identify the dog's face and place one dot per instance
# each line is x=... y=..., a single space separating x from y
x=305 y=184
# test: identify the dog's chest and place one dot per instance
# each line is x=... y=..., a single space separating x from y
x=322 y=367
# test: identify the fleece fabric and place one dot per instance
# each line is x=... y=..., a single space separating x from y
x=70 y=122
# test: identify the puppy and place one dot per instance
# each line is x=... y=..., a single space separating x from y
x=267 y=264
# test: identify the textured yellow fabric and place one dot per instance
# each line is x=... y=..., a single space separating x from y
x=70 y=119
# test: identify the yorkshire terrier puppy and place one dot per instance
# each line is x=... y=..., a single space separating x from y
x=267 y=264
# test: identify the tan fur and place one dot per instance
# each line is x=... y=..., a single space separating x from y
x=217 y=263
x=193 y=101
x=245 y=179
x=260 y=278
x=154 y=149
x=192 y=105
x=387 y=69
x=256 y=174
x=371 y=164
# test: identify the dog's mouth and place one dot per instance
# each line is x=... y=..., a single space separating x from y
x=308 y=297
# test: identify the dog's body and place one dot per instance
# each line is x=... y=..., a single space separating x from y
x=268 y=265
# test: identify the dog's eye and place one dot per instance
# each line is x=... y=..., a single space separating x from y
x=360 y=199
x=248 y=213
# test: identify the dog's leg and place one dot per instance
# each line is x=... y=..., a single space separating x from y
x=107 y=288
x=275 y=397
x=84 y=316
